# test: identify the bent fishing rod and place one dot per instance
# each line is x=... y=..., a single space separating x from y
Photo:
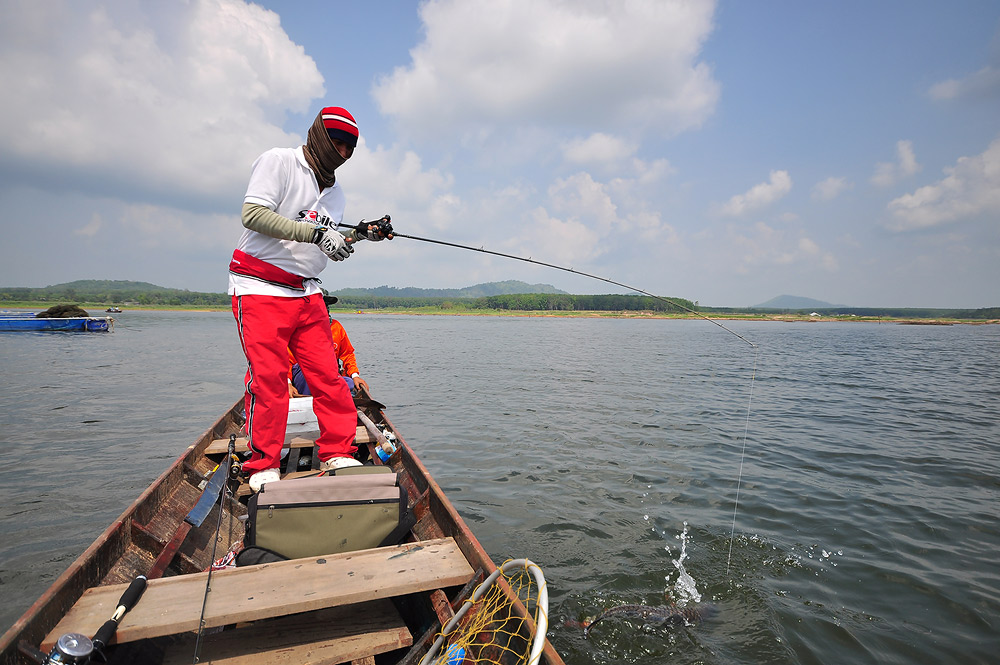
x=384 y=223
x=384 y=228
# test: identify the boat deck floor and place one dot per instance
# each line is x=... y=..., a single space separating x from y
x=324 y=637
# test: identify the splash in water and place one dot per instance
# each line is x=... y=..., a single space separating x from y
x=659 y=615
x=685 y=589
x=683 y=606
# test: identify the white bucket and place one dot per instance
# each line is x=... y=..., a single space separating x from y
x=300 y=411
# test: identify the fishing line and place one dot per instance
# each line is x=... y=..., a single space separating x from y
x=743 y=452
x=575 y=272
x=756 y=349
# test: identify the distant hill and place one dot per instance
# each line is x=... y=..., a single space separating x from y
x=794 y=302
x=112 y=291
x=106 y=285
x=476 y=291
x=124 y=291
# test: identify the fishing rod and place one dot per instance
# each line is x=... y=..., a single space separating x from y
x=228 y=474
x=79 y=649
x=384 y=228
x=384 y=223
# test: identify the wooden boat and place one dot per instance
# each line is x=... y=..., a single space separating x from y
x=28 y=322
x=387 y=602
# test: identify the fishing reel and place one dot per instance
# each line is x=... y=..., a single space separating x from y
x=71 y=648
x=235 y=467
x=383 y=228
x=235 y=463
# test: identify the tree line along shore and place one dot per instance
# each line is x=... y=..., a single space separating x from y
x=511 y=298
x=547 y=305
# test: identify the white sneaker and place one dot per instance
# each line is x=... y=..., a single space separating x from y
x=338 y=463
x=258 y=479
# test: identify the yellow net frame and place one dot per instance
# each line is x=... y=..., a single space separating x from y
x=489 y=630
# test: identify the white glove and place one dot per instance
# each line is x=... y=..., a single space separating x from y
x=332 y=244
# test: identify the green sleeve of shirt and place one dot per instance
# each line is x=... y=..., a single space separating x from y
x=264 y=220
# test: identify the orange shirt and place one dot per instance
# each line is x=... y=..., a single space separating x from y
x=342 y=347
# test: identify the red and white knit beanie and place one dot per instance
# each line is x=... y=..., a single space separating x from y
x=340 y=125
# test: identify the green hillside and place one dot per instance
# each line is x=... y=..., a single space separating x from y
x=107 y=285
x=111 y=292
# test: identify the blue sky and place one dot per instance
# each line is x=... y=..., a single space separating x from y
x=724 y=152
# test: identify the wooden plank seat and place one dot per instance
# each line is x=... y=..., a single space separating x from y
x=324 y=637
x=220 y=446
x=244 y=488
x=173 y=605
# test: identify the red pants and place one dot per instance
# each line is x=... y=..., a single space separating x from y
x=268 y=327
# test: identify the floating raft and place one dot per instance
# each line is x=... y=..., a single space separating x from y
x=28 y=322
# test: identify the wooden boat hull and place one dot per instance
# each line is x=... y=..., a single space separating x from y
x=133 y=542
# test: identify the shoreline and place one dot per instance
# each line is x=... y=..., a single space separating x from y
x=586 y=314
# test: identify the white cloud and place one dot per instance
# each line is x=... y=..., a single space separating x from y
x=611 y=210
x=983 y=84
x=758 y=196
x=499 y=65
x=614 y=155
x=575 y=220
x=888 y=173
x=394 y=180
x=580 y=196
x=650 y=172
x=168 y=100
x=598 y=148
x=971 y=187
x=562 y=241
x=831 y=188
x=764 y=246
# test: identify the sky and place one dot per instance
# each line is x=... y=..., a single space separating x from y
x=724 y=152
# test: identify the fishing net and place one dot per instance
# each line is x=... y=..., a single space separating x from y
x=489 y=629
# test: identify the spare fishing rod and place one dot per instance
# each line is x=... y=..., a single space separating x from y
x=383 y=228
x=80 y=649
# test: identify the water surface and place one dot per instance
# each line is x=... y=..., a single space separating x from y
x=866 y=529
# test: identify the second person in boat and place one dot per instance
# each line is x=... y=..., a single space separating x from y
x=347 y=361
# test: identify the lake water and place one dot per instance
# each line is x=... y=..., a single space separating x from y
x=609 y=452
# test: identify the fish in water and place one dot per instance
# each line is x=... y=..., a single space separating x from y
x=662 y=615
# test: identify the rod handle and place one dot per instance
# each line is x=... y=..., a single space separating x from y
x=125 y=603
x=131 y=596
x=105 y=633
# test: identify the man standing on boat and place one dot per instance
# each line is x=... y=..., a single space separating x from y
x=291 y=211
